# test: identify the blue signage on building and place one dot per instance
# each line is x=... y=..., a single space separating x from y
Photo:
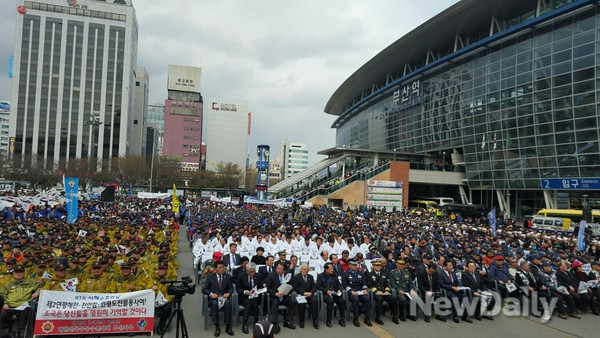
x=71 y=191
x=10 y=67
x=570 y=183
x=262 y=165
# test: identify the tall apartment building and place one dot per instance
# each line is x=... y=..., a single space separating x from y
x=138 y=123
x=183 y=116
x=295 y=158
x=228 y=123
x=4 y=130
x=74 y=74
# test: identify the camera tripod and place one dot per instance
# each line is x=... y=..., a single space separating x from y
x=180 y=320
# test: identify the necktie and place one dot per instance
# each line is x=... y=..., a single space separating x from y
x=232 y=261
x=450 y=276
x=251 y=282
x=220 y=282
x=281 y=279
x=305 y=281
x=269 y=269
x=430 y=283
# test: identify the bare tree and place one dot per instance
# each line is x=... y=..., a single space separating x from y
x=132 y=170
x=33 y=170
x=229 y=174
x=167 y=170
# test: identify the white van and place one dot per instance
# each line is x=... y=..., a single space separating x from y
x=549 y=223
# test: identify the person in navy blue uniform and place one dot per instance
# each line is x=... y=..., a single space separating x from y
x=331 y=285
x=378 y=281
x=358 y=293
x=304 y=285
x=219 y=284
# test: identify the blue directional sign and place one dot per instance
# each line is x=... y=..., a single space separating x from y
x=570 y=183
x=262 y=165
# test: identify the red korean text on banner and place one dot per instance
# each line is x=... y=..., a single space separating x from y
x=74 y=313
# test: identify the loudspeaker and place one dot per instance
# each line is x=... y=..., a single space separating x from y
x=108 y=195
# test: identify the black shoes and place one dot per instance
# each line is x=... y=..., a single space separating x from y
x=316 y=325
x=456 y=320
x=229 y=330
x=412 y=318
x=301 y=324
x=245 y=328
x=468 y=320
x=378 y=320
x=276 y=328
x=426 y=319
x=355 y=322
x=289 y=325
x=328 y=323
x=368 y=322
x=395 y=320
x=440 y=318
x=217 y=331
x=342 y=323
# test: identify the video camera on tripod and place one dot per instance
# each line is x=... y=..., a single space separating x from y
x=180 y=288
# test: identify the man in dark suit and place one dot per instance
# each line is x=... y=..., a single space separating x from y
x=219 y=285
x=425 y=260
x=304 y=285
x=242 y=268
x=232 y=259
x=472 y=279
x=568 y=280
x=274 y=281
x=429 y=287
x=450 y=282
x=268 y=269
x=331 y=286
x=247 y=284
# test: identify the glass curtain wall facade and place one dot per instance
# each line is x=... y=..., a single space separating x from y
x=521 y=110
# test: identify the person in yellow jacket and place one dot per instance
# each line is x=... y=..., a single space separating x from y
x=94 y=283
x=60 y=275
x=15 y=293
x=6 y=274
x=125 y=281
x=162 y=311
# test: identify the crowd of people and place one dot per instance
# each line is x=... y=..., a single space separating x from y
x=117 y=247
x=268 y=256
x=363 y=256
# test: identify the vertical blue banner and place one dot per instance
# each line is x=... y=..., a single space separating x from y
x=71 y=191
x=492 y=219
x=10 y=61
x=581 y=236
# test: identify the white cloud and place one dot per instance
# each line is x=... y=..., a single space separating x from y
x=285 y=57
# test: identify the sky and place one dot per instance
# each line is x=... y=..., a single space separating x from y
x=286 y=58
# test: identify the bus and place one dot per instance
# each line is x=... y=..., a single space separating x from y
x=573 y=214
x=465 y=210
x=430 y=206
x=441 y=201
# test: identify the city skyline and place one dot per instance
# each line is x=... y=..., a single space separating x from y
x=286 y=65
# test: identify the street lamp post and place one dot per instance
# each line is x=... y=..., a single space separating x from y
x=94 y=122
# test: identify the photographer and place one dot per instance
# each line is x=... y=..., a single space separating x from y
x=162 y=311
x=219 y=285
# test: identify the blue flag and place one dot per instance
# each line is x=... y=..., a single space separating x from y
x=581 y=236
x=492 y=219
x=71 y=191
